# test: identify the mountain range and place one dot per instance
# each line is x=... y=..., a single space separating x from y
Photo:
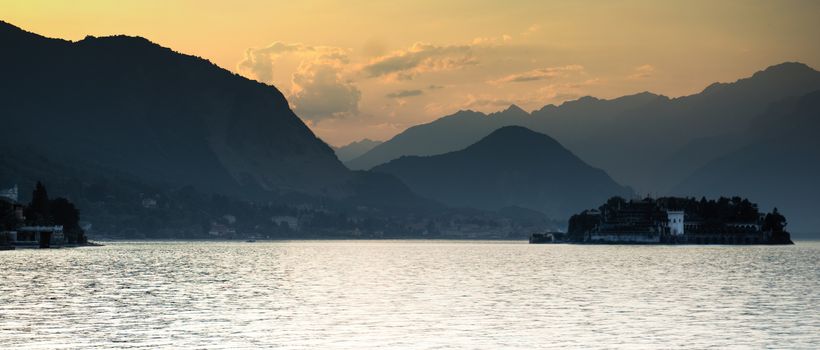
x=126 y=115
x=647 y=141
x=513 y=166
x=778 y=162
x=154 y=143
x=754 y=137
x=130 y=106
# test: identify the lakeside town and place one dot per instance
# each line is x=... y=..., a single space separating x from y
x=111 y=213
x=42 y=223
x=52 y=223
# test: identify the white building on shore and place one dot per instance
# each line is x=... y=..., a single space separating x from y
x=11 y=193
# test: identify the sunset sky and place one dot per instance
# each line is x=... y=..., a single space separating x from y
x=356 y=69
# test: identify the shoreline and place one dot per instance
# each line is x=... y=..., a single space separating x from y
x=33 y=247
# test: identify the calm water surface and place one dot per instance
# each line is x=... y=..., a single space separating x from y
x=409 y=294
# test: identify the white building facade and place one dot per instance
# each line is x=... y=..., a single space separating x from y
x=675 y=222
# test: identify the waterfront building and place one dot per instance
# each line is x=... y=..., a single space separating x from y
x=10 y=193
x=37 y=236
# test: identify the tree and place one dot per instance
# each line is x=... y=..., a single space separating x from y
x=774 y=221
x=66 y=214
x=38 y=211
x=8 y=221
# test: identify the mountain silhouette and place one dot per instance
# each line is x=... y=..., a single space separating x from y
x=648 y=141
x=355 y=149
x=511 y=167
x=132 y=106
x=778 y=163
x=450 y=133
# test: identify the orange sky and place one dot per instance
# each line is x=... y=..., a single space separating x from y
x=355 y=69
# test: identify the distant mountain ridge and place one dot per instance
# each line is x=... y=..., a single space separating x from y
x=778 y=163
x=658 y=138
x=355 y=149
x=133 y=106
x=511 y=167
x=450 y=133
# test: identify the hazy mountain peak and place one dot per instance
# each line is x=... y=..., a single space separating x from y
x=362 y=141
x=355 y=149
x=549 y=107
x=466 y=111
x=512 y=112
x=462 y=113
x=516 y=139
x=514 y=131
x=780 y=74
x=513 y=108
x=644 y=94
x=787 y=68
x=588 y=99
x=579 y=101
x=512 y=166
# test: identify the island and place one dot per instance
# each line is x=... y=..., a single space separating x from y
x=42 y=223
x=673 y=220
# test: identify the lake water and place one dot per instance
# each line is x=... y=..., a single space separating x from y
x=409 y=294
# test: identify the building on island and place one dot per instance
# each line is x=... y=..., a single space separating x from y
x=10 y=193
x=38 y=236
x=673 y=220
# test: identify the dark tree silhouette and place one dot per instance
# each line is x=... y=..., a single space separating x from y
x=64 y=213
x=38 y=211
x=774 y=221
x=7 y=218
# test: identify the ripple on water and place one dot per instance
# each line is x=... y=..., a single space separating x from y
x=409 y=294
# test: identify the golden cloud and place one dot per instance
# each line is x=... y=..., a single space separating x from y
x=540 y=74
x=420 y=58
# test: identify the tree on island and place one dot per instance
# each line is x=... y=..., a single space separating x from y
x=776 y=224
x=774 y=221
x=66 y=215
x=38 y=211
x=60 y=211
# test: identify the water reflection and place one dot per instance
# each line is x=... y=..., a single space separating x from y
x=409 y=294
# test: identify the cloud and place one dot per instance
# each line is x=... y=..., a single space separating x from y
x=320 y=91
x=420 y=58
x=492 y=40
x=405 y=93
x=642 y=72
x=259 y=62
x=540 y=74
x=531 y=30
